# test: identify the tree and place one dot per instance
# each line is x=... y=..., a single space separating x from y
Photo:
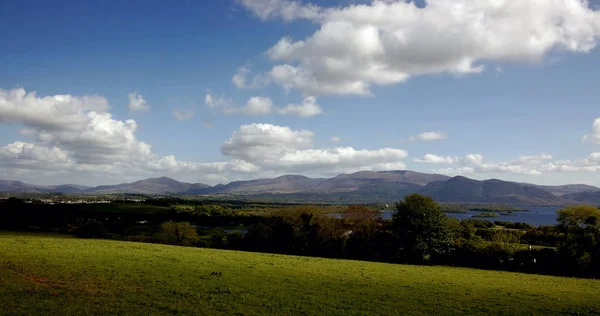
x=421 y=230
x=180 y=233
x=581 y=228
x=363 y=224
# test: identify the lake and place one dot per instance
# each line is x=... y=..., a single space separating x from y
x=537 y=215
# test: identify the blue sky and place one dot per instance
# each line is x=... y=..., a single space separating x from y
x=511 y=97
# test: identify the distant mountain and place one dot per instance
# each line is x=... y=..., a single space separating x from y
x=161 y=186
x=279 y=185
x=562 y=190
x=461 y=189
x=369 y=180
x=585 y=197
x=359 y=187
x=20 y=187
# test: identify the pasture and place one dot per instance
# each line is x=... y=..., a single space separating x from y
x=44 y=274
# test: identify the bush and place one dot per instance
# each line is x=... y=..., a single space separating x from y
x=517 y=225
x=90 y=230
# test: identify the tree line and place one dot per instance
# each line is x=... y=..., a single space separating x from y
x=418 y=233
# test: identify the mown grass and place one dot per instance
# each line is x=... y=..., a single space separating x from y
x=58 y=275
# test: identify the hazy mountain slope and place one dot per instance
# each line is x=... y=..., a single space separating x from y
x=161 y=185
x=584 y=197
x=461 y=189
x=385 y=180
x=279 y=185
x=18 y=187
x=561 y=190
x=359 y=187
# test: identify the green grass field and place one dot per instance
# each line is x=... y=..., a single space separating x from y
x=59 y=275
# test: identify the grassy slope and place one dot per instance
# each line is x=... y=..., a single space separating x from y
x=49 y=274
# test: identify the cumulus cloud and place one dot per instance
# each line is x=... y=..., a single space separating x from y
x=341 y=158
x=335 y=139
x=594 y=136
x=476 y=163
x=589 y=164
x=284 y=9
x=72 y=135
x=75 y=124
x=137 y=103
x=428 y=136
x=260 y=105
x=30 y=156
x=183 y=114
x=259 y=143
x=387 y=42
x=76 y=134
x=257 y=106
x=240 y=79
x=524 y=165
x=58 y=112
x=214 y=101
x=309 y=107
x=435 y=159
x=279 y=148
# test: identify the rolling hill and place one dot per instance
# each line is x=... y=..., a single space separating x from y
x=60 y=275
x=359 y=187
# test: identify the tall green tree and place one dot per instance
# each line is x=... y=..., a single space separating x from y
x=420 y=229
x=580 y=226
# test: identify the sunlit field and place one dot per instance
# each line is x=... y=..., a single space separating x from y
x=59 y=275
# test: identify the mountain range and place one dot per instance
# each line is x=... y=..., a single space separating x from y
x=360 y=187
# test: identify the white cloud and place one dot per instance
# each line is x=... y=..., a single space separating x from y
x=340 y=159
x=260 y=105
x=594 y=136
x=335 y=139
x=240 y=79
x=26 y=155
x=428 y=136
x=532 y=160
x=589 y=164
x=75 y=124
x=71 y=136
x=284 y=9
x=309 y=107
x=137 y=103
x=281 y=149
x=183 y=114
x=257 y=106
x=476 y=163
x=387 y=42
x=58 y=112
x=259 y=143
x=435 y=159
x=215 y=101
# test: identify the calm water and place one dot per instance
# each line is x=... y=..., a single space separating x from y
x=537 y=215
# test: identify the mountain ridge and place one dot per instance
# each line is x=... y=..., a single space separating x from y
x=363 y=187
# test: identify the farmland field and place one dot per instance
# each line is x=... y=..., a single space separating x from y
x=43 y=274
